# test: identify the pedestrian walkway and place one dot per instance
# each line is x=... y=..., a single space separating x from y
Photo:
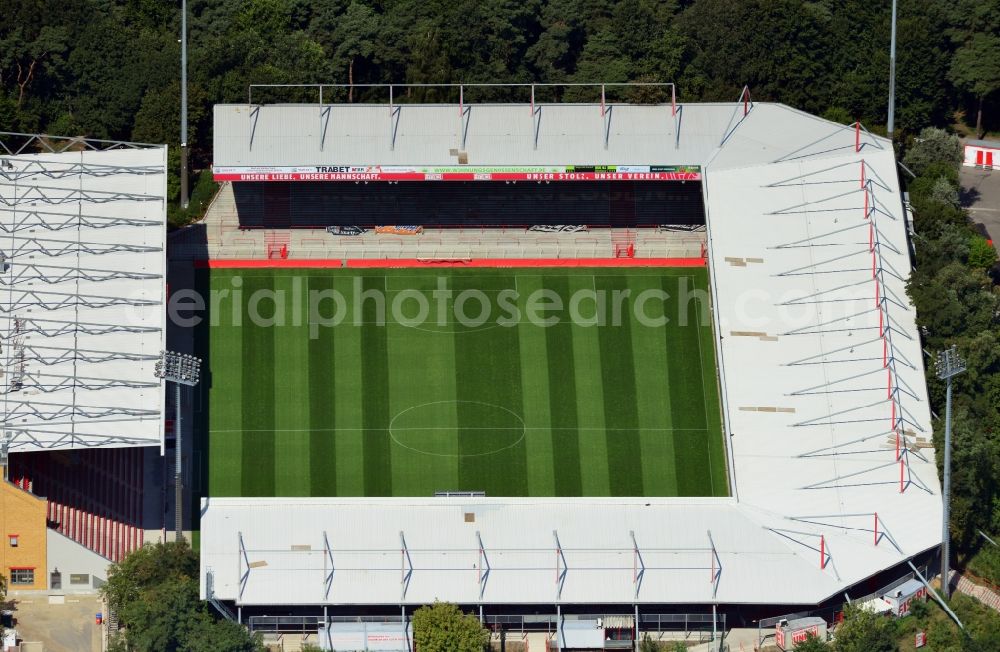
x=984 y=594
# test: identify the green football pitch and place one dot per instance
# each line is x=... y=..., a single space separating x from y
x=516 y=382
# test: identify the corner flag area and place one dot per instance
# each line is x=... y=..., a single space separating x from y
x=513 y=382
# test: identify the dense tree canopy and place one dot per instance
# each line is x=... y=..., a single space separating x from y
x=958 y=303
x=865 y=631
x=442 y=627
x=110 y=68
x=154 y=591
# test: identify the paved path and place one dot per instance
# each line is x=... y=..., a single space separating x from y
x=985 y=595
x=65 y=627
x=981 y=195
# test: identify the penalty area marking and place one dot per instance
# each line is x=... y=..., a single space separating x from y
x=392 y=434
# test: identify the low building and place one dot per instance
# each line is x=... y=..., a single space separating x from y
x=982 y=154
x=36 y=557
x=23 y=547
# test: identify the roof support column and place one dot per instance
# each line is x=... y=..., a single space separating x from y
x=561 y=567
x=405 y=567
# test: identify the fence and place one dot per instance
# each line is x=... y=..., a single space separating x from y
x=285 y=624
x=662 y=625
x=439 y=245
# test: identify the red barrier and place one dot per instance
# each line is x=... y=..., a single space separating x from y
x=361 y=263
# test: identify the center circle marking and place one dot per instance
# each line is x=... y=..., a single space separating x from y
x=393 y=433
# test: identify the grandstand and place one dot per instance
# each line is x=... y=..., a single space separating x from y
x=83 y=307
x=832 y=485
x=82 y=323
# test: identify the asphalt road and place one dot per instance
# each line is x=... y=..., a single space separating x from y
x=981 y=195
x=65 y=627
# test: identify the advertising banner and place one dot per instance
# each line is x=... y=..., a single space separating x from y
x=460 y=173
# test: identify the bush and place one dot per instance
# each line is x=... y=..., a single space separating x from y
x=442 y=627
x=940 y=169
x=154 y=591
x=986 y=563
x=838 y=114
x=864 y=631
x=982 y=255
x=201 y=196
x=931 y=218
x=933 y=146
x=944 y=193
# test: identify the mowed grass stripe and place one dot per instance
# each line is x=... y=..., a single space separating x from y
x=292 y=466
x=322 y=391
x=258 y=395
x=536 y=408
x=595 y=474
x=225 y=397
x=488 y=387
x=375 y=394
x=348 y=359
x=618 y=381
x=687 y=400
x=649 y=358
x=424 y=423
x=562 y=374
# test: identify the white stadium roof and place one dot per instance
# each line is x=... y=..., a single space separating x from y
x=294 y=135
x=82 y=292
x=824 y=402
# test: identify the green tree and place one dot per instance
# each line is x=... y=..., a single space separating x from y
x=442 y=627
x=975 y=465
x=953 y=301
x=554 y=53
x=356 y=35
x=146 y=567
x=647 y=644
x=975 y=69
x=864 y=631
x=945 y=193
x=428 y=64
x=780 y=49
x=933 y=146
x=982 y=255
x=154 y=591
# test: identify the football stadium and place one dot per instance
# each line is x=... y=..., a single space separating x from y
x=552 y=359
x=589 y=369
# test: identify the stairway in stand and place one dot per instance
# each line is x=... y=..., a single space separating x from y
x=623 y=243
x=277 y=243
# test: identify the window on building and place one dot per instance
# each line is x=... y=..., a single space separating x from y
x=12 y=538
x=22 y=576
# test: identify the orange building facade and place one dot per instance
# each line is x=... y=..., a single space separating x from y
x=22 y=538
